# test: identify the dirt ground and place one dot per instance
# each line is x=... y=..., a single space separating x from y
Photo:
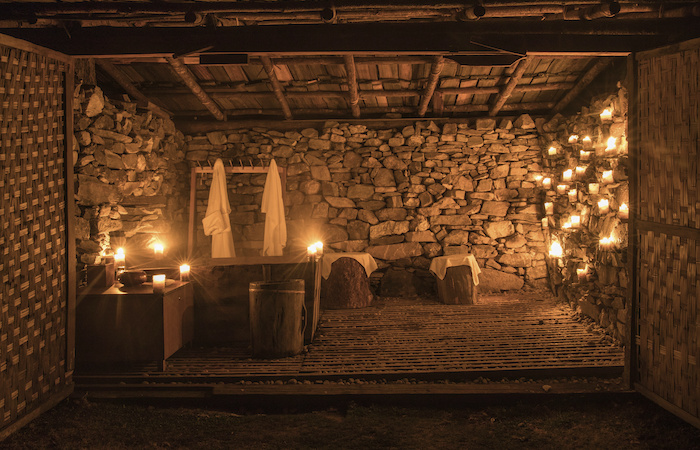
x=562 y=423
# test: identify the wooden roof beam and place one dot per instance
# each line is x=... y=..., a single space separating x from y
x=130 y=89
x=186 y=76
x=354 y=99
x=507 y=90
x=581 y=84
x=435 y=70
x=276 y=86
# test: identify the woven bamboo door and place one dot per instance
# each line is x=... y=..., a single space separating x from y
x=37 y=257
x=666 y=313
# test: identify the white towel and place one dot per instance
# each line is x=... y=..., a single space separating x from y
x=216 y=221
x=275 y=237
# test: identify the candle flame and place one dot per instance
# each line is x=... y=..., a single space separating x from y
x=556 y=250
x=624 y=208
x=552 y=150
x=573 y=138
x=120 y=251
x=184 y=268
x=158 y=247
x=611 y=143
x=586 y=139
x=606 y=114
x=568 y=173
x=603 y=203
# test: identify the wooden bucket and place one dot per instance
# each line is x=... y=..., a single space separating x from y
x=277 y=318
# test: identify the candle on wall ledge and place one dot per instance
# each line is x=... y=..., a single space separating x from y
x=319 y=247
x=608 y=177
x=120 y=258
x=549 y=208
x=561 y=189
x=603 y=206
x=585 y=156
x=612 y=144
x=573 y=139
x=552 y=151
x=159 y=283
x=538 y=179
x=573 y=195
x=575 y=221
x=158 y=250
x=566 y=225
x=545 y=222
x=606 y=115
x=311 y=251
x=555 y=250
x=593 y=188
x=623 y=211
x=581 y=171
x=587 y=141
x=582 y=273
x=547 y=183
x=568 y=174
x=606 y=243
x=185 y=272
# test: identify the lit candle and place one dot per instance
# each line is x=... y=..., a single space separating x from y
x=185 y=272
x=606 y=115
x=547 y=183
x=593 y=188
x=319 y=247
x=566 y=225
x=555 y=250
x=623 y=211
x=159 y=284
x=580 y=171
x=549 y=208
x=311 y=251
x=585 y=156
x=606 y=243
x=538 y=178
x=573 y=195
x=611 y=144
x=561 y=189
x=120 y=258
x=552 y=151
x=568 y=174
x=582 y=273
x=545 y=222
x=573 y=139
x=587 y=142
x=158 y=250
x=575 y=221
x=608 y=177
x=603 y=206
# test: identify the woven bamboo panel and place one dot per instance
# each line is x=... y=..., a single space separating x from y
x=669 y=109
x=668 y=348
x=33 y=263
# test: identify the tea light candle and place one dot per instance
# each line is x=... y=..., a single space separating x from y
x=603 y=206
x=158 y=250
x=547 y=183
x=552 y=151
x=593 y=188
x=573 y=195
x=573 y=139
x=555 y=250
x=582 y=273
x=606 y=115
x=120 y=258
x=575 y=221
x=185 y=272
x=581 y=171
x=319 y=247
x=587 y=142
x=545 y=222
x=159 y=283
x=561 y=189
x=549 y=208
x=585 y=156
x=611 y=144
x=606 y=243
x=566 y=225
x=311 y=250
x=568 y=174
x=623 y=211
x=538 y=178
x=608 y=177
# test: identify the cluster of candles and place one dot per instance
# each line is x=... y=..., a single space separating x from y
x=314 y=250
x=159 y=279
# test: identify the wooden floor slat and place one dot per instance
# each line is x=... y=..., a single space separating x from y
x=411 y=336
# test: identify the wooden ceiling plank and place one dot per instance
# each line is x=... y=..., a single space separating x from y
x=184 y=73
x=581 y=84
x=435 y=70
x=508 y=88
x=276 y=86
x=130 y=89
x=354 y=99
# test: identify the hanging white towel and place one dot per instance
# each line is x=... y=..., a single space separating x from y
x=216 y=221
x=275 y=237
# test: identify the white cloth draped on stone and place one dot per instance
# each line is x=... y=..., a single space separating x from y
x=275 y=237
x=440 y=264
x=216 y=221
x=365 y=259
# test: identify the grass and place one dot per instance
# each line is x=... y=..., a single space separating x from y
x=577 y=423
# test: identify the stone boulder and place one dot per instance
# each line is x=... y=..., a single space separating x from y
x=393 y=252
x=491 y=280
x=500 y=229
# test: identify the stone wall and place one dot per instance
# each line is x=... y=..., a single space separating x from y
x=592 y=271
x=127 y=177
x=404 y=195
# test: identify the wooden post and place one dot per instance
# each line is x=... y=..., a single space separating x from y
x=190 y=81
x=352 y=85
x=508 y=88
x=584 y=81
x=435 y=70
x=276 y=86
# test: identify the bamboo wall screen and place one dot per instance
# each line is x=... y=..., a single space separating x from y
x=36 y=358
x=668 y=224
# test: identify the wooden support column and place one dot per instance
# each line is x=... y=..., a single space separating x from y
x=435 y=69
x=438 y=104
x=354 y=99
x=130 y=89
x=184 y=73
x=276 y=86
x=581 y=84
x=507 y=90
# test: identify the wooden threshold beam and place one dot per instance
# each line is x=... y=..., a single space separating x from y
x=186 y=76
x=435 y=70
x=276 y=86
x=581 y=84
x=507 y=90
x=354 y=99
x=121 y=79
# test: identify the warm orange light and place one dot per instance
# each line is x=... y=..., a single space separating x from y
x=159 y=283
x=606 y=114
x=568 y=174
x=158 y=249
x=593 y=188
x=608 y=177
x=603 y=205
x=552 y=151
x=575 y=221
x=581 y=171
x=606 y=242
x=585 y=155
x=573 y=139
x=546 y=183
x=582 y=273
x=623 y=211
x=573 y=195
x=549 y=208
x=185 y=272
x=120 y=257
x=555 y=250
x=611 y=144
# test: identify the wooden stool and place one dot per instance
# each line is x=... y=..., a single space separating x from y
x=457 y=288
x=346 y=287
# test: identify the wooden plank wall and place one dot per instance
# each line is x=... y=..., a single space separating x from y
x=668 y=223
x=36 y=354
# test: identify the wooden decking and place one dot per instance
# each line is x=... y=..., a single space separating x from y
x=500 y=336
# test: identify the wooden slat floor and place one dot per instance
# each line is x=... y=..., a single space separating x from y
x=414 y=338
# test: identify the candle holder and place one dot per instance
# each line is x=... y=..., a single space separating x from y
x=593 y=188
x=185 y=272
x=623 y=211
x=159 y=284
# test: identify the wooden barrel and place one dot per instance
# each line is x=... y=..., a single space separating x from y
x=277 y=318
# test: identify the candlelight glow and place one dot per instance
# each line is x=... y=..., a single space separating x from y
x=580 y=171
x=582 y=273
x=311 y=250
x=158 y=249
x=593 y=188
x=566 y=225
x=573 y=195
x=538 y=178
x=608 y=176
x=159 y=283
x=120 y=258
x=568 y=173
x=603 y=205
x=552 y=151
x=606 y=242
x=587 y=140
x=545 y=222
x=556 y=250
x=561 y=188
x=606 y=114
x=575 y=221
x=585 y=155
x=547 y=183
x=611 y=143
x=319 y=247
x=573 y=139
x=623 y=211
x=185 y=272
x=549 y=208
